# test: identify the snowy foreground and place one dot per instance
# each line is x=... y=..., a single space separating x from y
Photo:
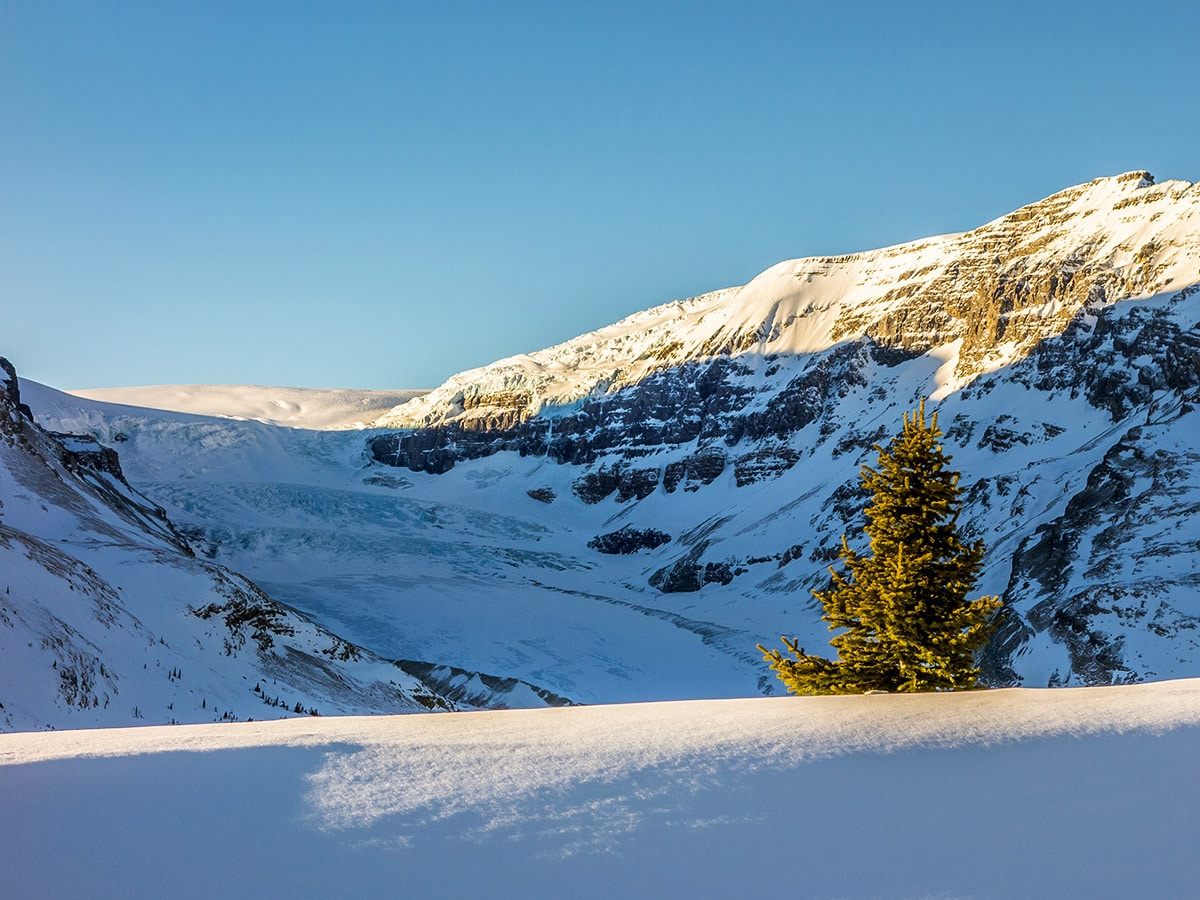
x=1086 y=792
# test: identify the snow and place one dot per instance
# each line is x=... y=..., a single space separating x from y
x=314 y=408
x=1082 y=792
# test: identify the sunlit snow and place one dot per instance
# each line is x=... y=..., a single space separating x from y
x=1068 y=793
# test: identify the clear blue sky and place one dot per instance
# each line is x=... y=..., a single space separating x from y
x=360 y=194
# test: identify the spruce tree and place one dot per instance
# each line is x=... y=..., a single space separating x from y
x=904 y=621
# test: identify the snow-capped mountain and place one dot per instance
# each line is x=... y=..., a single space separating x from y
x=1059 y=341
x=624 y=516
x=986 y=297
x=107 y=617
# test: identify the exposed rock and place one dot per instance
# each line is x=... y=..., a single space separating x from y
x=626 y=482
x=764 y=464
x=688 y=574
x=265 y=619
x=638 y=483
x=855 y=441
x=467 y=688
x=1096 y=358
x=629 y=540
x=996 y=660
x=496 y=410
x=381 y=479
x=1001 y=439
x=595 y=486
x=81 y=451
x=10 y=389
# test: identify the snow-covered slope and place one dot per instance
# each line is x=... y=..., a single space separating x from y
x=108 y=618
x=1016 y=793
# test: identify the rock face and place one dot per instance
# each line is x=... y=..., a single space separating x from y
x=1060 y=343
x=10 y=393
x=690 y=574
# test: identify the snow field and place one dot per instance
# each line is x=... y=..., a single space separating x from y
x=1067 y=793
x=315 y=408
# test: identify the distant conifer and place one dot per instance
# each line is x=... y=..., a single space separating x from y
x=904 y=621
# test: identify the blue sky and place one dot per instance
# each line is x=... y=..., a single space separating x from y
x=383 y=194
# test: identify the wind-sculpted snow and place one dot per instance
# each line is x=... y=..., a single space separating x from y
x=1070 y=793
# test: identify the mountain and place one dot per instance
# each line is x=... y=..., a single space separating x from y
x=107 y=616
x=625 y=515
x=1059 y=342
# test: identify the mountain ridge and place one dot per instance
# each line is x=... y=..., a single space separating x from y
x=767 y=318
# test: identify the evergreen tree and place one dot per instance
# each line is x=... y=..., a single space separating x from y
x=904 y=621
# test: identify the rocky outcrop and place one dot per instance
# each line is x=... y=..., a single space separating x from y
x=82 y=451
x=695 y=470
x=477 y=689
x=1119 y=359
x=701 y=403
x=10 y=392
x=764 y=464
x=688 y=574
x=629 y=540
x=495 y=410
x=625 y=481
